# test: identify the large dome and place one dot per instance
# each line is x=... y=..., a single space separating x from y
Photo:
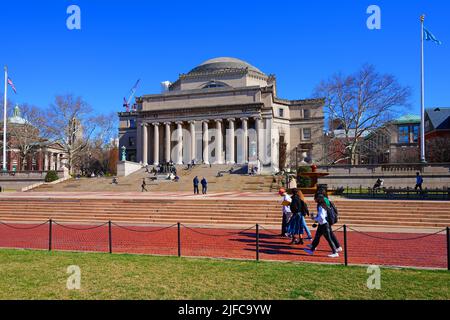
x=223 y=63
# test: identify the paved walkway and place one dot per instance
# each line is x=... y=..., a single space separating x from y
x=392 y=249
x=141 y=195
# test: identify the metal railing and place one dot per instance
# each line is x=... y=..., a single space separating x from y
x=395 y=193
x=174 y=240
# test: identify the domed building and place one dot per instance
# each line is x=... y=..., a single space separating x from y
x=26 y=150
x=223 y=111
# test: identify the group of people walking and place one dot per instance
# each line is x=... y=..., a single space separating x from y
x=294 y=226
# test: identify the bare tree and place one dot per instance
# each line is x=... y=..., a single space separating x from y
x=376 y=146
x=360 y=103
x=438 y=149
x=70 y=121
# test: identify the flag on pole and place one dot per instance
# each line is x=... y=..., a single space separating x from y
x=428 y=36
x=12 y=85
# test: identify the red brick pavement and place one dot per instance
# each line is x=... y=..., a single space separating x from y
x=363 y=248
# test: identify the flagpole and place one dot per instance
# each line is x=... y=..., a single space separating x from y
x=422 y=87
x=5 y=101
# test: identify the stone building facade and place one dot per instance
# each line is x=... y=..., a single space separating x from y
x=224 y=111
x=41 y=155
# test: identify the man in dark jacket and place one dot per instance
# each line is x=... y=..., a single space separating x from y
x=204 y=185
x=195 y=181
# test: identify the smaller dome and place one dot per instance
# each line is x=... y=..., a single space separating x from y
x=16 y=118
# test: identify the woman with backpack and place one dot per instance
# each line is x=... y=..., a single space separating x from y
x=324 y=228
x=299 y=210
x=330 y=205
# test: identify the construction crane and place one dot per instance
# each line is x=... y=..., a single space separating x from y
x=126 y=103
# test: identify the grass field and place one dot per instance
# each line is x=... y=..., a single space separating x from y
x=42 y=275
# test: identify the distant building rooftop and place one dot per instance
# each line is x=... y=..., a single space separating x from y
x=439 y=117
x=409 y=118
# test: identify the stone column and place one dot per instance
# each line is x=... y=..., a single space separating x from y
x=192 y=132
x=219 y=142
x=39 y=161
x=259 y=139
x=155 y=143
x=205 y=142
x=45 y=161
x=245 y=139
x=267 y=149
x=180 y=142
x=144 y=144
x=230 y=142
x=167 y=142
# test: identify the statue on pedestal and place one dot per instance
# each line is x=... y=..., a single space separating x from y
x=124 y=153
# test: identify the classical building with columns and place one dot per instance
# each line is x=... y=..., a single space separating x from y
x=26 y=151
x=224 y=111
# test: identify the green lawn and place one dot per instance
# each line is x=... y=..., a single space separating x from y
x=42 y=275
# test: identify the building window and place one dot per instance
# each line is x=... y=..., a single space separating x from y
x=131 y=141
x=306 y=113
x=403 y=134
x=214 y=84
x=132 y=123
x=281 y=113
x=415 y=133
x=306 y=133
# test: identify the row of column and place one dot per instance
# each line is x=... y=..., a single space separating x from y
x=44 y=161
x=205 y=138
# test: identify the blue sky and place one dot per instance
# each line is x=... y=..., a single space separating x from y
x=301 y=42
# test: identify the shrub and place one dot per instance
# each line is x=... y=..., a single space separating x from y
x=51 y=176
x=303 y=182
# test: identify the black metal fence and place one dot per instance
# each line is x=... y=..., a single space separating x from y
x=442 y=194
x=255 y=242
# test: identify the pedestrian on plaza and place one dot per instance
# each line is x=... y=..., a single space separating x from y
x=299 y=210
x=324 y=228
x=195 y=182
x=378 y=184
x=305 y=212
x=204 y=185
x=419 y=181
x=286 y=211
x=143 y=186
x=323 y=192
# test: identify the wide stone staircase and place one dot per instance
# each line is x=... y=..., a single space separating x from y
x=216 y=212
x=227 y=182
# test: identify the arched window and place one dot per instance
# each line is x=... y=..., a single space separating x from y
x=214 y=84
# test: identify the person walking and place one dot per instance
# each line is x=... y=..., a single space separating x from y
x=204 y=185
x=419 y=181
x=305 y=212
x=195 y=182
x=323 y=192
x=143 y=186
x=298 y=208
x=324 y=229
x=286 y=210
